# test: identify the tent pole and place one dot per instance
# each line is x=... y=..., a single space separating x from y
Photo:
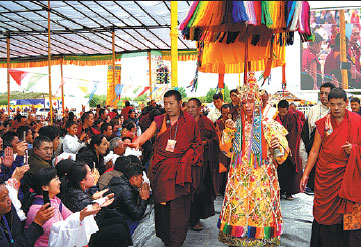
x=113 y=64
x=174 y=42
x=343 y=48
x=150 y=73
x=8 y=66
x=49 y=68
x=62 y=85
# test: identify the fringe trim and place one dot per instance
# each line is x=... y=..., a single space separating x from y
x=267 y=232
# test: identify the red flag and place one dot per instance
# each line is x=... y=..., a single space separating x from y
x=144 y=90
x=17 y=75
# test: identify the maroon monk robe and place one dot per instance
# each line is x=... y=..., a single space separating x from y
x=291 y=171
x=202 y=206
x=224 y=161
x=338 y=176
x=174 y=179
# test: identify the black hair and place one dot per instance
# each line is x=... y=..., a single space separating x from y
x=130 y=112
x=104 y=127
x=283 y=104
x=328 y=84
x=39 y=140
x=134 y=159
x=337 y=93
x=132 y=170
x=97 y=121
x=129 y=124
x=153 y=113
x=76 y=173
x=355 y=100
x=96 y=139
x=121 y=163
x=101 y=111
x=293 y=104
x=63 y=167
x=87 y=156
x=318 y=39
x=20 y=117
x=127 y=103
x=114 y=121
x=126 y=137
x=336 y=46
x=20 y=131
x=71 y=116
x=9 y=136
x=69 y=124
x=42 y=177
x=225 y=106
x=174 y=93
x=233 y=91
x=49 y=131
x=198 y=102
x=218 y=96
x=86 y=116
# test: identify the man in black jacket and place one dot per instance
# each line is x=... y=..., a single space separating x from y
x=129 y=202
x=11 y=230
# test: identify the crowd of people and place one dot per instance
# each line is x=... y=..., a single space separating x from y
x=88 y=181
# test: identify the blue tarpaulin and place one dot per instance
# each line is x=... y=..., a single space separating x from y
x=30 y=101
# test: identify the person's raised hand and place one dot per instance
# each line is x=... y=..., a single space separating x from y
x=132 y=145
x=275 y=143
x=82 y=136
x=19 y=172
x=8 y=158
x=21 y=147
x=99 y=194
x=86 y=212
x=230 y=124
x=44 y=214
x=144 y=191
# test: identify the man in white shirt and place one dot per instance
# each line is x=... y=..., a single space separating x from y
x=215 y=112
x=315 y=113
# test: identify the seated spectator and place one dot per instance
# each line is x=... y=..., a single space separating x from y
x=129 y=202
x=113 y=231
x=10 y=218
x=11 y=139
x=132 y=115
x=129 y=129
x=28 y=135
x=116 y=145
x=46 y=179
x=115 y=123
x=53 y=134
x=99 y=146
x=87 y=121
x=87 y=156
x=120 y=163
x=96 y=126
x=106 y=130
x=71 y=143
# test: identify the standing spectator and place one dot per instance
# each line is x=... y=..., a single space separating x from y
x=202 y=206
x=355 y=105
x=215 y=113
x=126 y=109
x=96 y=126
x=290 y=172
x=315 y=113
x=87 y=121
x=106 y=130
x=103 y=114
x=132 y=116
x=299 y=113
x=234 y=106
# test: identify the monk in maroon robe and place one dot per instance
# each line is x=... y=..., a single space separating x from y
x=224 y=161
x=337 y=150
x=202 y=205
x=174 y=168
x=290 y=172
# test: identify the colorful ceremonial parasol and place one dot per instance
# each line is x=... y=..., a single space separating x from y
x=232 y=34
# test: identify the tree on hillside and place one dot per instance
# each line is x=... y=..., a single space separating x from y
x=212 y=91
x=183 y=92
